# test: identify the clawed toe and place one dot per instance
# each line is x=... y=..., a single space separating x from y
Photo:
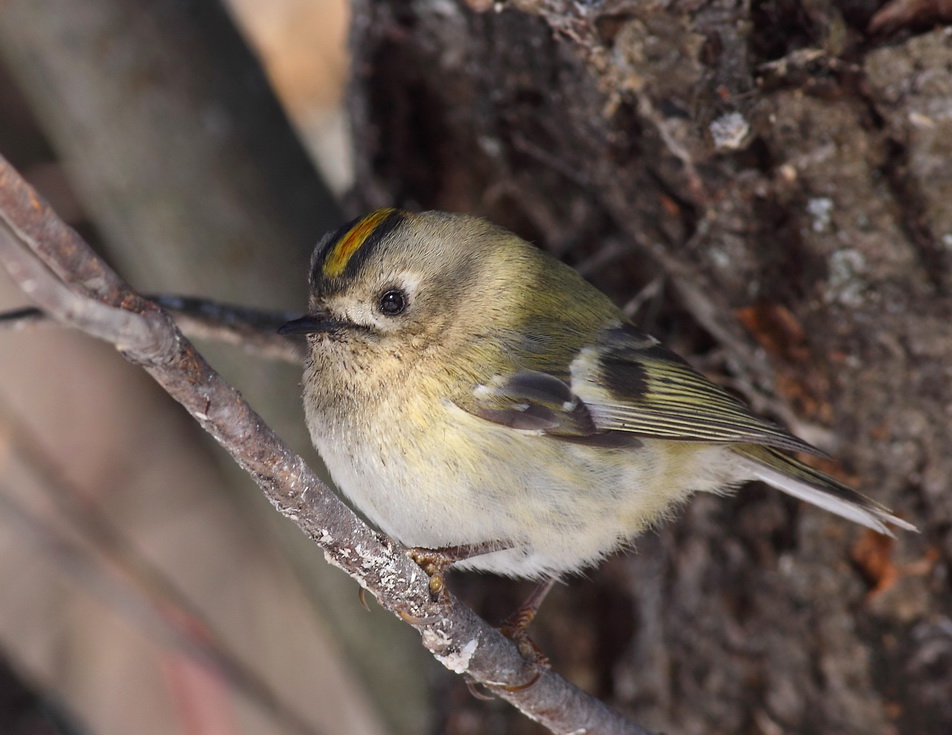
x=536 y=675
x=434 y=563
x=515 y=628
x=528 y=649
x=418 y=619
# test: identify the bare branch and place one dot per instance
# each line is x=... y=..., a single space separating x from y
x=77 y=288
x=93 y=317
x=253 y=330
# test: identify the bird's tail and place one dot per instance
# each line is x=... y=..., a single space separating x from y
x=801 y=481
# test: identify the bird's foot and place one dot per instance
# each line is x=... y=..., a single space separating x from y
x=435 y=562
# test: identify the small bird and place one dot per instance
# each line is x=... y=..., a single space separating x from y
x=468 y=390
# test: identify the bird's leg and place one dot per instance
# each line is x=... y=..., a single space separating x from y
x=515 y=627
x=436 y=561
x=516 y=624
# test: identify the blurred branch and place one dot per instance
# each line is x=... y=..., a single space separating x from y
x=59 y=272
x=134 y=586
x=254 y=330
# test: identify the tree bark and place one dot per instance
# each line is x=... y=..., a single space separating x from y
x=784 y=177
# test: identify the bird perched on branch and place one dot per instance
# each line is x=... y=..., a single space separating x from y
x=467 y=390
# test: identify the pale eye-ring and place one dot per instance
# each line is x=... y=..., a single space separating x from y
x=392 y=302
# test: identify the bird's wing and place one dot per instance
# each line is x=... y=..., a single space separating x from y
x=625 y=386
x=630 y=382
x=542 y=403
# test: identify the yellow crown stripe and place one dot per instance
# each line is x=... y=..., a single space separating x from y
x=338 y=258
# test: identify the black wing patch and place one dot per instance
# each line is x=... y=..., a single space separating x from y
x=633 y=383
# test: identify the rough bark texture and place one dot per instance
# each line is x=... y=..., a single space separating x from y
x=786 y=177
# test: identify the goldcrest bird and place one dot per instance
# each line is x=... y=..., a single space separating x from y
x=467 y=389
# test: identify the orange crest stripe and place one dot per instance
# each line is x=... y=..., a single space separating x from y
x=345 y=248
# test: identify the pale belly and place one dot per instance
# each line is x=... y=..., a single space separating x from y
x=557 y=507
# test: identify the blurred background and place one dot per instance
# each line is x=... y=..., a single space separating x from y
x=765 y=186
x=136 y=146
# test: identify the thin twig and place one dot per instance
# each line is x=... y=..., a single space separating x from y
x=76 y=287
x=23 y=320
x=253 y=330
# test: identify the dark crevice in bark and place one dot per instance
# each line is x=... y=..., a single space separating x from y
x=914 y=218
x=780 y=27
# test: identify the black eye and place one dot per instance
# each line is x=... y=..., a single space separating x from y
x=393 y=302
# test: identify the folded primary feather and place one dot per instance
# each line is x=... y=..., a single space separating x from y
x=809 y=484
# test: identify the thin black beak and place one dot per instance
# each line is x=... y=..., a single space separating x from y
x=309 y=324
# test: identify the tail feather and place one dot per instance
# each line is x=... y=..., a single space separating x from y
x=801 y=481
